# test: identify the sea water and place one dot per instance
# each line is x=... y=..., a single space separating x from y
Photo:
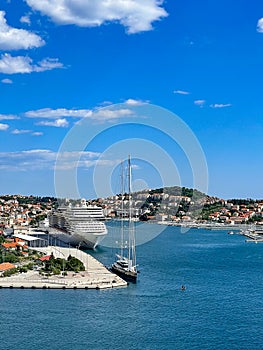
x=221 y=307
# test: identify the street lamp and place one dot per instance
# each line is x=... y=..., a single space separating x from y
x=78 y=248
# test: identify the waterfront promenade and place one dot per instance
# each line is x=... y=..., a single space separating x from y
x=95 y=276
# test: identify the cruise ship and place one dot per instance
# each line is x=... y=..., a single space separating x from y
x=81 y=225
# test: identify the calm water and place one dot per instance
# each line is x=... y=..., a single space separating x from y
x=221 y=308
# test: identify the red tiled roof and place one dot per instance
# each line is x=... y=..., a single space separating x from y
x=9 y=245
x=6 y=266
x=45 y=258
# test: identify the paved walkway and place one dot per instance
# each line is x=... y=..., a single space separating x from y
x=96 y=275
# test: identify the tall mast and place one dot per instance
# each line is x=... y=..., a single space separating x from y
x=132 y=252
x=122 y=207
x=130 y=214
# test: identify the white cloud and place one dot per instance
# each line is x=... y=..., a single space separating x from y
x=220 y=105
x=8 y=117
x=7 y=81
x=58 y=113
x=36 y=151
x=23 y=64
x=11 y=65
x=23 y=131
x=260 y=25
x=135 y=15
x=18 y=132
x=106 y=103
x=16 y=39
x=37 y=133
x=3 y=127
x=38 y=159
x=59 y=123
x=181 y=92
x=25 y=19
x=103 y=114
x=133 y=102
x=135 y=167
x=27 y=160
x=47 y=64
x=199 y=103
x=82 y=159
x=107 y=114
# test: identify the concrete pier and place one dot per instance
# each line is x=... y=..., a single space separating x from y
x=95 y=276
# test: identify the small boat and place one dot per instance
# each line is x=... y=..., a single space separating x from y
x=125 y=265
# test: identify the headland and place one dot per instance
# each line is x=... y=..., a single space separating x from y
x=95 y=276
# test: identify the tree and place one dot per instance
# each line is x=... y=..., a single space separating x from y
x=74 y=264
x=57 y=265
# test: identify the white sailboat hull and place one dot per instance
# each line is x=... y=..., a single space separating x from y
x=127 y=275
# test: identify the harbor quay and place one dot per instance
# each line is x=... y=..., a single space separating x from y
x=95 y=276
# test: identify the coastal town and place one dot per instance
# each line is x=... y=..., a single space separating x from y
x=183 y=205
x=175 y=204
x=23 y=249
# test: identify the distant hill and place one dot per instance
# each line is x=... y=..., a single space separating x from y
x=172 y=202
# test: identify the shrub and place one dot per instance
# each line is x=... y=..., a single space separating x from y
x=55 y=271
x=23 y=269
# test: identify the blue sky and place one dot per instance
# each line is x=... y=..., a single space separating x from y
x=104 y=61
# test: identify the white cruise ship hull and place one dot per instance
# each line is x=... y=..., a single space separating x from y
x=81 y=226
x=87 y=240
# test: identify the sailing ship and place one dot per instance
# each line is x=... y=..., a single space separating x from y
x=125 y=265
